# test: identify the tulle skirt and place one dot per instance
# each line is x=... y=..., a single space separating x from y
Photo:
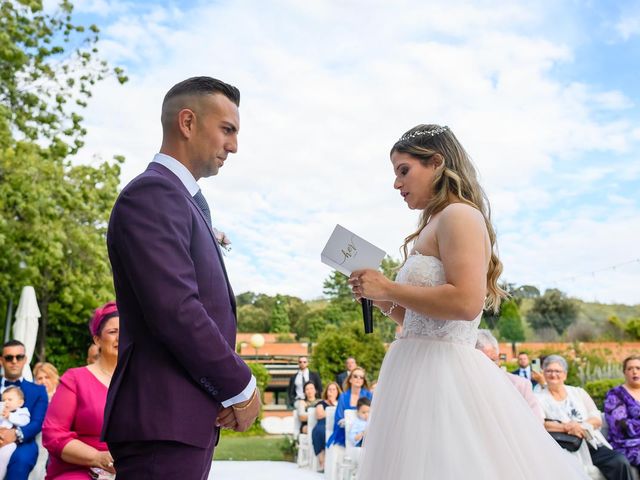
x=444 y=411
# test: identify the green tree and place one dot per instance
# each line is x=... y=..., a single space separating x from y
x=510 y=323
x=279 y=316
x=632 y=328
x=552 y=310
x=246 y=298
x=336 y=344
x=253 y=319
x=52 y=236
x=526 y=291
x=53 y=215
x=48 y=66
x=336 y=289
x=310 y=325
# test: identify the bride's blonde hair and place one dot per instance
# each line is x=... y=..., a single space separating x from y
x=457 y=176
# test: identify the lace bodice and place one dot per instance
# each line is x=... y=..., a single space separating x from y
x=428 y=271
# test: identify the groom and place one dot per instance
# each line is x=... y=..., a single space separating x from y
x=178 y=378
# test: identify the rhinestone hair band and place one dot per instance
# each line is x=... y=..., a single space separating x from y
x=428 y=133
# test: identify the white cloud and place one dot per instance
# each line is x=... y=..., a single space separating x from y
x=327 y=90
x=628 y=25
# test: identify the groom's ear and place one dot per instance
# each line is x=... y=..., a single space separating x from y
x=186 y=122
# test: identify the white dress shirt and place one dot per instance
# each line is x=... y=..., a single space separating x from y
x=302 y=377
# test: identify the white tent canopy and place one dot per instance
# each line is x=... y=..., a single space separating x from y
x=26 y=325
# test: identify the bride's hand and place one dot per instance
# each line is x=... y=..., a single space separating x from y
x=369 y=284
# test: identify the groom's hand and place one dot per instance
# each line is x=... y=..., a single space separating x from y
x=247 y=412
x=226 y=419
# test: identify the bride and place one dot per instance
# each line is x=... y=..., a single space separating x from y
x=442 y=410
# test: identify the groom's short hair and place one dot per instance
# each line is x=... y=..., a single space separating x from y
x=194 y=87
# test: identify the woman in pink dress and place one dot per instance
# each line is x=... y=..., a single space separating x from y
x=71 y=429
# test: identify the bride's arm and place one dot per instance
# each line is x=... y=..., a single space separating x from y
x=464 y=250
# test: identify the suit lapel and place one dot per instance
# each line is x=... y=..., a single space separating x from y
x=218 y=251
x=169 y=174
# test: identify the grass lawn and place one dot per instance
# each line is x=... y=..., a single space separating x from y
x=249 y=448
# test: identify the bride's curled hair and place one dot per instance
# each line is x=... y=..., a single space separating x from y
x=457 y=177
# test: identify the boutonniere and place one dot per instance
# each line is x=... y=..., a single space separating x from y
x=222 y=240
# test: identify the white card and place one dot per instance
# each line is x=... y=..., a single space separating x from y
x=346 y=252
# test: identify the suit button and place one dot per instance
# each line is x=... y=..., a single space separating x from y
x=203 y=380
x=214 y=391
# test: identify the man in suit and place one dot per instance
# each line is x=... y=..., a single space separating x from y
x=349 y=364
x=178 y=377
x=35 y=399
x=524 y=369
x=297 y=381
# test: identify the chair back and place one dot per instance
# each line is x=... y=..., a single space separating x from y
x=331 y=418
x=296 y=424
x=311 y=419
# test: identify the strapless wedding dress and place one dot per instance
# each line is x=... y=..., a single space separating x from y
x=443 y=411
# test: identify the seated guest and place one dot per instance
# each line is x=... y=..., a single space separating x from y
x=348 y=400
x=295 y=391
x=488 y=344
x=318 y=436
x=72 y=428
x=301 y=405
x=622 y=412
x=93 y=352
x=356 y=432
x=35 y=400
x=349 y=364
x=47 y=375
x=13 y=415
x=571 y=410
x=524 y=369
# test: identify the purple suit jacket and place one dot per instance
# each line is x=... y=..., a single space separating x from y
x=176 y=357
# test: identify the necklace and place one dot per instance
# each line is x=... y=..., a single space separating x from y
x=105 y=372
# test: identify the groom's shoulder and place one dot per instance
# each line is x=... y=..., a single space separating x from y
x=155 y=181
x=155 y=174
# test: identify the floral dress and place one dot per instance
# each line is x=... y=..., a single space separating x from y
x=622 y=412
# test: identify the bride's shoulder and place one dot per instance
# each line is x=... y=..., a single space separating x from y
x=460 y=212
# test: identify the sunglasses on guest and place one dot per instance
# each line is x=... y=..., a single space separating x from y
x=10 y=358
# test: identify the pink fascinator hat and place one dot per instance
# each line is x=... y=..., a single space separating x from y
x=101 y=315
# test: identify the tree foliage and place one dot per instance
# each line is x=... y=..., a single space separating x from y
x=53 y=215
x=48 y=66
x=552 y=310
x=53 y=219
x=335 y=344
x=632 y=328
x=510 y=323
x=279 y=316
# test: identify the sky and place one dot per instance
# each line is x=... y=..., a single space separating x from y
x=543 y=95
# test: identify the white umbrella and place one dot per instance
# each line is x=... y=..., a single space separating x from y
x=26 y=325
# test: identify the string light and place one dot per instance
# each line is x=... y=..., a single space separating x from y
x=594 y=272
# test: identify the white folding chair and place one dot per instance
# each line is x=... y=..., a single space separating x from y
x=303 y=440
x=296 y=424
x=38 y=472
x=349 y=463
x=311 y=424
x=333 y=454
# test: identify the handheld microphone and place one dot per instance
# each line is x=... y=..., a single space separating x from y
x=367 y=315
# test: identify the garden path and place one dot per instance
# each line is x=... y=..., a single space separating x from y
x=227 y=470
